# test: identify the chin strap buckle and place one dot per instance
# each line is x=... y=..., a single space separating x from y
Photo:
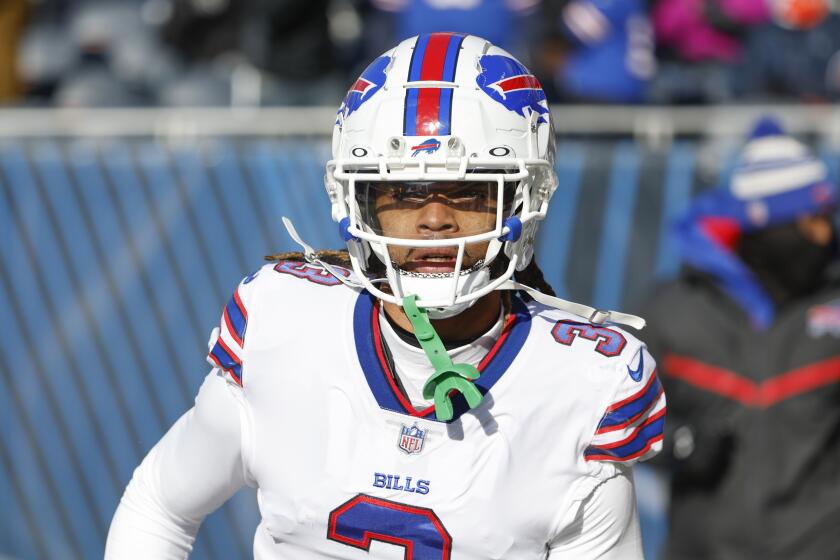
x=599 y=316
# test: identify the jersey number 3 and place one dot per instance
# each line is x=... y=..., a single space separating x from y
x=364 y=518
x=610 y=342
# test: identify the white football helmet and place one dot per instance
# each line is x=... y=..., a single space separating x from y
x=443 y=108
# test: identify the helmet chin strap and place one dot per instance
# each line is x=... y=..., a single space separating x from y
x=593 y=315
x=448 y=377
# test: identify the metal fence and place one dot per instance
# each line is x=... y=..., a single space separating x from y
x=120 y=246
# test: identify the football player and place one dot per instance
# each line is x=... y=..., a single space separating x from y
x=418 y=403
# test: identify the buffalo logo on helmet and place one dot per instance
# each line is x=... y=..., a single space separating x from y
x=429 y=146
x=508 y=82
x=371 y=81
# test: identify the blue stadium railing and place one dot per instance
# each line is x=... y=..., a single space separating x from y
x=119 y=252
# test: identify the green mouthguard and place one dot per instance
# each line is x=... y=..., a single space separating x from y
x=448 y=377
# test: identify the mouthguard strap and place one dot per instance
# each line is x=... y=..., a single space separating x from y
x=448 y=377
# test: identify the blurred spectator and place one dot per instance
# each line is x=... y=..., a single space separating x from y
x=12 y=18
x=200 y=30
x=789 y=63
x=98 y=29
x=699 y=43
x=188 y=52
x=706 y=30
x=93 y=54
x=748 y=342
x=715 y=51
x=280 y=50
x=498 y=21
x=303 y=52
x=596 y=51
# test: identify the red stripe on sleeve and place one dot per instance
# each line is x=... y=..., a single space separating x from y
x=230 y=352
x=637 y=395
x=653 y=403
x=230 y=328
x=612 y=445
x=651 y=442
x=239 y=304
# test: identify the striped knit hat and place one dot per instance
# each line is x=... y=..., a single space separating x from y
x=777 y=179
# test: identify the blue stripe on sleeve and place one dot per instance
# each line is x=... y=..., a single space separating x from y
x=226 y=361
x=634 y=407
x=637 y=444
x=237 y=320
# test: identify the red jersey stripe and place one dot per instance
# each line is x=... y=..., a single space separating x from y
x=639 y=453
x=637 y=395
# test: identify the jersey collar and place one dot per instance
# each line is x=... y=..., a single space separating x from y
x=380 y=379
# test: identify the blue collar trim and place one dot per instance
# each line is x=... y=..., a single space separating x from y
x=379 y=377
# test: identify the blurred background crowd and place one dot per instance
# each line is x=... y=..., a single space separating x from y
x=753 y=446
x=111 y=53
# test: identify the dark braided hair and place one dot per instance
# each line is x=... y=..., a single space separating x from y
x=531 y=275
x=337 y=258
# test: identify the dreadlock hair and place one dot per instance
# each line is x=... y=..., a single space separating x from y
x=337 y=258
x=531 y=275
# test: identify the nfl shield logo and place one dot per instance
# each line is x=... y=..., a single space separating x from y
x=411 y=439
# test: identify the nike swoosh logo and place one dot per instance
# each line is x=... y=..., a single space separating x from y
x=636 y=374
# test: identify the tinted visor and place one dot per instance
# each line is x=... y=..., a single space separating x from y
x=428 y=209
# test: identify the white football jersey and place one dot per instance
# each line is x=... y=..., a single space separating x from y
x=347 y=468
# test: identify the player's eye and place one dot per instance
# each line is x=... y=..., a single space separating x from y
x=461 y=195
x=410 y=194
x=467 y=194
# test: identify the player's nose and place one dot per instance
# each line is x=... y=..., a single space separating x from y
x=436 y=217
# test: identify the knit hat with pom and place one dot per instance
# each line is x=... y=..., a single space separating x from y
x=777 y=179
